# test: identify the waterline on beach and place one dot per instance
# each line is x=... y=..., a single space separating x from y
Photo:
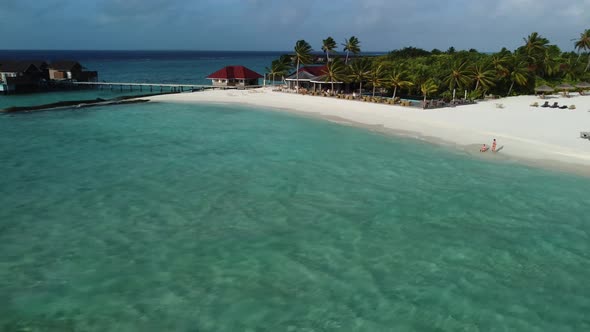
x=549 y=139
x=471 y=150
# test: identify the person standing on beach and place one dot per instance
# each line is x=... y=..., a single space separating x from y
x=494 y=145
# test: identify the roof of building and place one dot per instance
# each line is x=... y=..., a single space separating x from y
x=64 y=65
x=312 y=73
x=235 y=72
x=303 y=76
x=39 y=63
x=11 y=66
x=314 y=70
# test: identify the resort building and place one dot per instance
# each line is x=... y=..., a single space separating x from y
x=70 y=70
x=28 y=76
x=18 y=75
x=238 y=76
x=312 y=78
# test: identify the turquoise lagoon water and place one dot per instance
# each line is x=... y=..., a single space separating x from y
x=163 y=217
x=33 y=99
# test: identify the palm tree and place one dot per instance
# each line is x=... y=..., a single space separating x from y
x=278 y=68
x=335 y=72
x=428 y=87
x=584 y=44
x=534 y=48
x=500 y=62
x=286 y=64
x=359 y=70
x=351 y=45
x=518 y=73
x=419 y=74
x=458 y=75
x=271 y=71
x=328 y=45
x=302 y=56
x=535 y=43
x=396 y=80
x=376 y=77
x=571 y=69
x=285 y=60
x=550 y=60
x=483 y=76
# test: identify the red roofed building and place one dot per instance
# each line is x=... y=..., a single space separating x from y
x=234 y=76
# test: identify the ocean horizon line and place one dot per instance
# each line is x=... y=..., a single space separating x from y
x=163 y=50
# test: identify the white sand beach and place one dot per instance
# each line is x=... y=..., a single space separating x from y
x=544 y=136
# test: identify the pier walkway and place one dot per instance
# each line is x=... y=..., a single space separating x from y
x=173 y=87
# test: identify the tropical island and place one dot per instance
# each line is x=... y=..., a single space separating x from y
x=497 y=94
x=417 y=72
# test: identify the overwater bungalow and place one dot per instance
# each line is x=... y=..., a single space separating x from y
x=35 y=75
x=70 y=70
x=238 y=76
x=18 y=75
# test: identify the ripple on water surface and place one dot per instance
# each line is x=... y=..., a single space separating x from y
x=166 y=217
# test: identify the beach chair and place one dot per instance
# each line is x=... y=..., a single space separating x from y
x=535 y=104
x=555 y=105
x=572 y=107
x=546 y=104
x=563 y=107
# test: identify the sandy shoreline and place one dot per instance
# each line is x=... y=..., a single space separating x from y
x=544 y=137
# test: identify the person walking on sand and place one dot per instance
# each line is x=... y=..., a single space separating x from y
x=494 y=145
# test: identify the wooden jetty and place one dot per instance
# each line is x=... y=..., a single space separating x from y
x=172 y=87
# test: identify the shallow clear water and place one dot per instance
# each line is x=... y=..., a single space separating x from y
x=33 y=99
x=165 y=217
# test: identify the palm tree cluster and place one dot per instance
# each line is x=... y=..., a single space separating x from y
x=415 y=71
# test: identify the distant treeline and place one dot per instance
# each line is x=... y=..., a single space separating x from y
x=438 y=73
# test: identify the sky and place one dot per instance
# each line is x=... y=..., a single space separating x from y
x=275 y=25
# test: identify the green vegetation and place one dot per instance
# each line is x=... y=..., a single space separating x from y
x=302 y=55
x=335 y=72
x=358 y=71
x=351 y=45
x=583 y=44
x=328 y=46
x=414 y=71
x=279 y=67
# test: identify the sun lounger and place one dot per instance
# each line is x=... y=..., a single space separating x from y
x=555 y=105
x=572 y=107
x=563 y=107
x=546 y=104
x=535 y=104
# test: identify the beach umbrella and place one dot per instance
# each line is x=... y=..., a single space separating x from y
x=583 y=85
x=564 y=87
x=544 y=88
